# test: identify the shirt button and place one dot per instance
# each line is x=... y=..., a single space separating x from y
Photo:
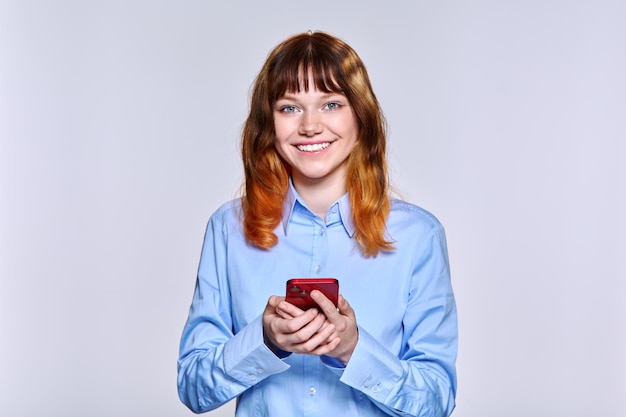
x=322 y=232
x=375 y=388
x=260 y=370
x=312 y=391
x=252 y=377
x=318 y=269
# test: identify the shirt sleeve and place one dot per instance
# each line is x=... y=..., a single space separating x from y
x=421 y=381
x=215 y=365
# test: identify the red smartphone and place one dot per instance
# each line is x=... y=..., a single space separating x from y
x=299 y=289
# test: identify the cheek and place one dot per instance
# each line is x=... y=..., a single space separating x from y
x=352 y=131
x=282 y=130
x=279 y=143
x=350 y=125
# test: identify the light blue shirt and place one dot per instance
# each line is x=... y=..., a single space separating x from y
x=404 y=361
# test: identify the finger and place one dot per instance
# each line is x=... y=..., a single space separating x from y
x=323 y=302
x=284 y=315
x=286 y=333
x=312 y=341
x=272 y=303
x=344 y=307
x=294 y=324
x=289 y=309
x=301 y=340
x=274 y=300
x=326 y=348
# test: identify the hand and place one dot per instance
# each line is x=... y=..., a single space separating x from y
x=290 y=329
x=345 y=336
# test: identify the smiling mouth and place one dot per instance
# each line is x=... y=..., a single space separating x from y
x=315 y=147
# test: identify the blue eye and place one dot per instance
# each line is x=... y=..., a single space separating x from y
x=288 y=109
x=332 y=106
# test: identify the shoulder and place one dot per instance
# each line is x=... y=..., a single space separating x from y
x=229 y=213
x=413 y=228
x=407 y=215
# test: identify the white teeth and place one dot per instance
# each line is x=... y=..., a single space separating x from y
x=313 y=147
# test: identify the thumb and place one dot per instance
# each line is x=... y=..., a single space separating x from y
x=344 y=307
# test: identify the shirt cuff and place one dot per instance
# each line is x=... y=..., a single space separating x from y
x=372 y=369
x=246 y=357
x=334 y=365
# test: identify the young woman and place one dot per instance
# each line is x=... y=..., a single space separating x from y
x=316 y=204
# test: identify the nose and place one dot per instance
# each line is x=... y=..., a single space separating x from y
x=310 y=124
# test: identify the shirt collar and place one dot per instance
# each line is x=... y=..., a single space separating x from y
x=343 y=205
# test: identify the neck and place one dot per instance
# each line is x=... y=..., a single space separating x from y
x=319 y=196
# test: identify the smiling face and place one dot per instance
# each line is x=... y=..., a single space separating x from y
x=315 y=133
x=301 y=125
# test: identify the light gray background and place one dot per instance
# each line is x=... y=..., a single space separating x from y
x=119 y=124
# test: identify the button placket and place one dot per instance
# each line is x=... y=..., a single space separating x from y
x=319 y=251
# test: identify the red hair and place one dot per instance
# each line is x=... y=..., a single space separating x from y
x=334 y=67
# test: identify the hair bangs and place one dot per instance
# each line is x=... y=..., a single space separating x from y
x=294 y=70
